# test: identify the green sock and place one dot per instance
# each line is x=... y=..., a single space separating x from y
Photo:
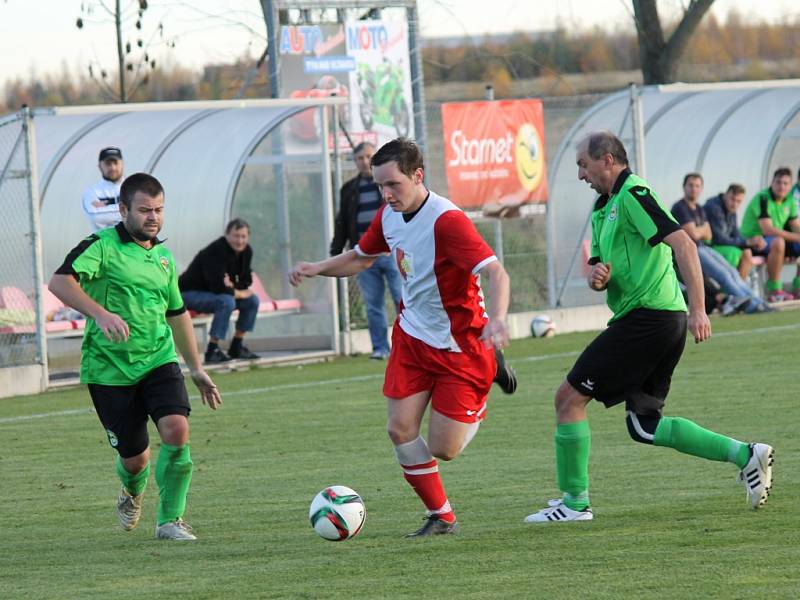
x=173 y=476
x=774 y=286
x=688 y=437
x=573 y=443
x=796 y=283
x=133 y=482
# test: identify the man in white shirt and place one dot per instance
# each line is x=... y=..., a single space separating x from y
x=444 y=339
x=101 y=200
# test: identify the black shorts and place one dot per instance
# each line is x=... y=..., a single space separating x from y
x=123 y=409
x=632 y=361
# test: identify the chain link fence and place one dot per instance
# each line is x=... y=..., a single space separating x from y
x=19 y=288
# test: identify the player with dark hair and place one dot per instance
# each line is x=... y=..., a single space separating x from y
x=443 y=340
x=218 y=281
x=633 y=241
x=771 y=223
x=359 y=200
x=100 y=201
x=124 y=280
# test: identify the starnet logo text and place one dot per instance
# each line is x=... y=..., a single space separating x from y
x=476 y=152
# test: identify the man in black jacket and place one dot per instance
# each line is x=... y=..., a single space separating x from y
x=359 y=201
x=218 y=281
x=726 y=237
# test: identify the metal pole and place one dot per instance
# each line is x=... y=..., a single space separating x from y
x=557 y=302
x=417 y=88
x=550 y=236
x=637 y=121
x=36 y=242
x=327 y=196
x=497 y=224
x=270 y=15
x=342 y=282
x=284 y=236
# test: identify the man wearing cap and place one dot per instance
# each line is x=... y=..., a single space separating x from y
x=101 y=200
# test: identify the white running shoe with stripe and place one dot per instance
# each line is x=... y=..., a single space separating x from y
x=175 y=530
x=757 y=474
x=557 y=511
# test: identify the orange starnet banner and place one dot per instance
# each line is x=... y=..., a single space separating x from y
x=494 y=153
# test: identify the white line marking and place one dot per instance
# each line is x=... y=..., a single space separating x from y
x=310 y=384
x=61 y=413
x=291 y=386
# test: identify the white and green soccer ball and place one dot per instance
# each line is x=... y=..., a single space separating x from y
x=337 y=513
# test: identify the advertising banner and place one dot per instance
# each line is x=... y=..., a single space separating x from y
x=313 y=64
x=494 y=153
x=381 y=100
x=365 y=61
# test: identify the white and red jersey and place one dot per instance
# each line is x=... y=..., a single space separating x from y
x=439 y=253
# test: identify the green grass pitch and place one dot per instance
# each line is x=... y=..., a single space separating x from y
x=666 y=525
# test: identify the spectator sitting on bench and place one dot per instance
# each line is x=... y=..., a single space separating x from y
x=692 y=218
x=772 y=215
x=726 y=237
x=218 y=281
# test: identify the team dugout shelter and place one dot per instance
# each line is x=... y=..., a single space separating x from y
x=216 y=160
x=728 y=132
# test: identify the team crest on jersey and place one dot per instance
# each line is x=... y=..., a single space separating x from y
x=165 y=263
x=612 y=213
x=405 y=263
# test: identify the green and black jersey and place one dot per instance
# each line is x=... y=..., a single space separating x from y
x=138 y=284
x=765 y=206
x=627 y=228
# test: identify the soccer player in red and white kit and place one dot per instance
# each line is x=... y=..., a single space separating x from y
x=444 y=339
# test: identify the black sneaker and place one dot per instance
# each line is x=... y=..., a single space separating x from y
x=216 y=356
x=243 y=353
x=505 y=377
x=434 y=526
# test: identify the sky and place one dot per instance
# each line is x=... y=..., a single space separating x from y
x=39 y=37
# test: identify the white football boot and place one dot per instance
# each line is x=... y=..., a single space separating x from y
x=129 y=509
x=757 y=474
x=175 y=530
x=557 y=511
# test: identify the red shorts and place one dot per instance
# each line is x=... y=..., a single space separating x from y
x=459 y=382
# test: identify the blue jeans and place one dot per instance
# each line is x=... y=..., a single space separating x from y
x=373 y=290
x=720 y=270
x=222 y=306
x=792 y=248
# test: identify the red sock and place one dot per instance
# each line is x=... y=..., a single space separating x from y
x=426 y=482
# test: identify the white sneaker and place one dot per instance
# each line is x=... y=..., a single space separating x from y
x=757 y=474
x=175 y=530
x=129 y=509
x=558 y=511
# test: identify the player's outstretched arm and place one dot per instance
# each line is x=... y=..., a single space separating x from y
x=183 y=334
x=341 y=265
x=70 y=293
x=495 y=333
x=685 y=252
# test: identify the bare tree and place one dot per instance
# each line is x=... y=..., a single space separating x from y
x=134 y=63
x=660 y=56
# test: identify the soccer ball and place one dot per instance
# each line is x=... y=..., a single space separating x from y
x=337 y=513
x=542 y=326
